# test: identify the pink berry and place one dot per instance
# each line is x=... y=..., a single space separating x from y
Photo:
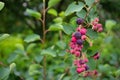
x=85 y=60
x=73 y=39
x=95 y=72
x=94 y=27
x=100 y=29
x=99 y=25
x=96 y=56
x=77 y=53
x=83 y=37
x=83 y=31
x=96 y=19
x=79 y=70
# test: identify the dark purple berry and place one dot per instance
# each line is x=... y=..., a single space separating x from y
x=79 y=21
x=79 y=42
x=77 y=35
x=86 y=67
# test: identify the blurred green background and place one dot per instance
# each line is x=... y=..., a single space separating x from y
x=28 y=57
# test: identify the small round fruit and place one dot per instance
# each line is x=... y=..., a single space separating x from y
x=79 y=42
x=77 y=35
x=79 y=21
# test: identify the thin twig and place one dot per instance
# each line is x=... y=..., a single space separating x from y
x=44 y=36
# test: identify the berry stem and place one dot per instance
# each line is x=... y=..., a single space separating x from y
x=88 y=10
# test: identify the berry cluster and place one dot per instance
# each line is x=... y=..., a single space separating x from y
x=77 y=40
x=81 y=66
x=96 y=25
x=76 y=45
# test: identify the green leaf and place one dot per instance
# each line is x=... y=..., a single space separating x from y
x=92 y=63
x=34 y=69
x=48 y=52
x=68 y=29
x=61 y=44
x=109 y=24
x=52 y=3
x=89 y=2
x=52 y=12
x=4 y=36
x=108 y=39
x=92 y=34
x=58 y=20
x=38 y=58
x=56 y=27
x=62 y=14
x=30 y=47
x=33 y=13
x=73 y=22
x=81 y=13
x=105 y=68
x=92 y=50
x=73 y=7
x=4 y=73
x=1 y=5
x=12 y=57
x=32 y=38
x=117 y=73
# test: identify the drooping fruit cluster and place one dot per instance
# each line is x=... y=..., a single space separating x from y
x=96 y=25
x=76 y=46
x=77 y=40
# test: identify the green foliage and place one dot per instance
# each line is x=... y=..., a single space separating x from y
x=109 y=24
x=89 y=2
x=33 y=13
x=52 y=12
x=1 y=5
x=52 y=3
x=48 y=52
x=3 y=36
x=92 y=34
x=22 y=49
x=81 y=13
x=32 y=38
x=4 y=73
x=73 y=7
x=55 y=27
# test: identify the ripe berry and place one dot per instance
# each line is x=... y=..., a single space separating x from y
x=77 y=35
x=86 y=67
x=79 y=21
x=83 y=31
x=79 y=42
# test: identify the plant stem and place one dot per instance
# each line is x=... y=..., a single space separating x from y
x=44 y=12
x=44 y=36
x=88 y=10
